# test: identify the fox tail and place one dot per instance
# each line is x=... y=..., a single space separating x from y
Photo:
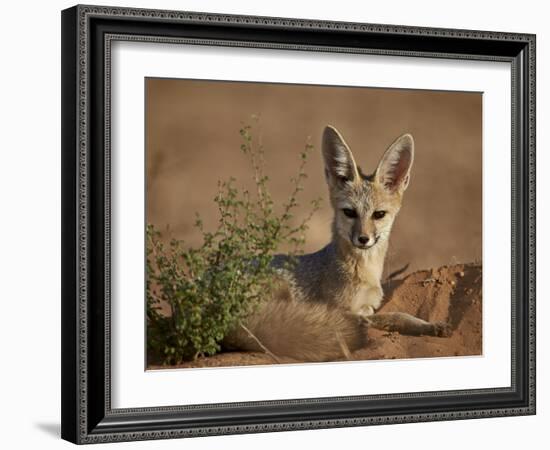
x=300 y=330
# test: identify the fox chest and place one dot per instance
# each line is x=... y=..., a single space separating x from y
x=363 y=290
x=366 y=300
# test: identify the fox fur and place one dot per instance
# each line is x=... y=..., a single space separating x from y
x=323 y=303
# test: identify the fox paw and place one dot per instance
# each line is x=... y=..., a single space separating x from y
x=442 y=329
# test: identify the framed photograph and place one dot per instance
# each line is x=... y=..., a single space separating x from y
x=281 y=224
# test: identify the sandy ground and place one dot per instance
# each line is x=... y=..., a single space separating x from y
x=449 y=293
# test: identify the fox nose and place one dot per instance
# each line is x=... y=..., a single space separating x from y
x=363 y=239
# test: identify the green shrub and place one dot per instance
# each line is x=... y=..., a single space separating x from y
x=210 y=289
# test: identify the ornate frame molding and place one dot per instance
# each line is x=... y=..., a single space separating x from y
x=84 y=62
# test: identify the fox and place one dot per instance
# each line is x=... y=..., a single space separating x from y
x=324 y=302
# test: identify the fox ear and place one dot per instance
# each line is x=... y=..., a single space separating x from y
x=340 y=167
x=394 y=168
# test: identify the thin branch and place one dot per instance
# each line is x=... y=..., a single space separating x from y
x=262 y=346
x=397 y=272
x=343 y=345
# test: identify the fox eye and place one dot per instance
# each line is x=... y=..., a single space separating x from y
x=377 y=215
x=351 y=213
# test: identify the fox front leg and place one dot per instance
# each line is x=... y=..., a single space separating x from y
x=407 y=324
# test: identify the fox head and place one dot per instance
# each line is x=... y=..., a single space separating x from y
x=365 y=206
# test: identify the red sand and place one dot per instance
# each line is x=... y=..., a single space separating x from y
x=449 y=293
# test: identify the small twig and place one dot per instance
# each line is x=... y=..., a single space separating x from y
x=429 y=280
x=262 y=346
x=343 y=345
x=397 y=272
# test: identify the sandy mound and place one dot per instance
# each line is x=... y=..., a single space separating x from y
x=450 y=293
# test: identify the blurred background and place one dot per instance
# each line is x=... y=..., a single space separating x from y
x=193 y=140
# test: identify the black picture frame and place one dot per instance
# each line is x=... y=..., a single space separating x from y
x=87 y=32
